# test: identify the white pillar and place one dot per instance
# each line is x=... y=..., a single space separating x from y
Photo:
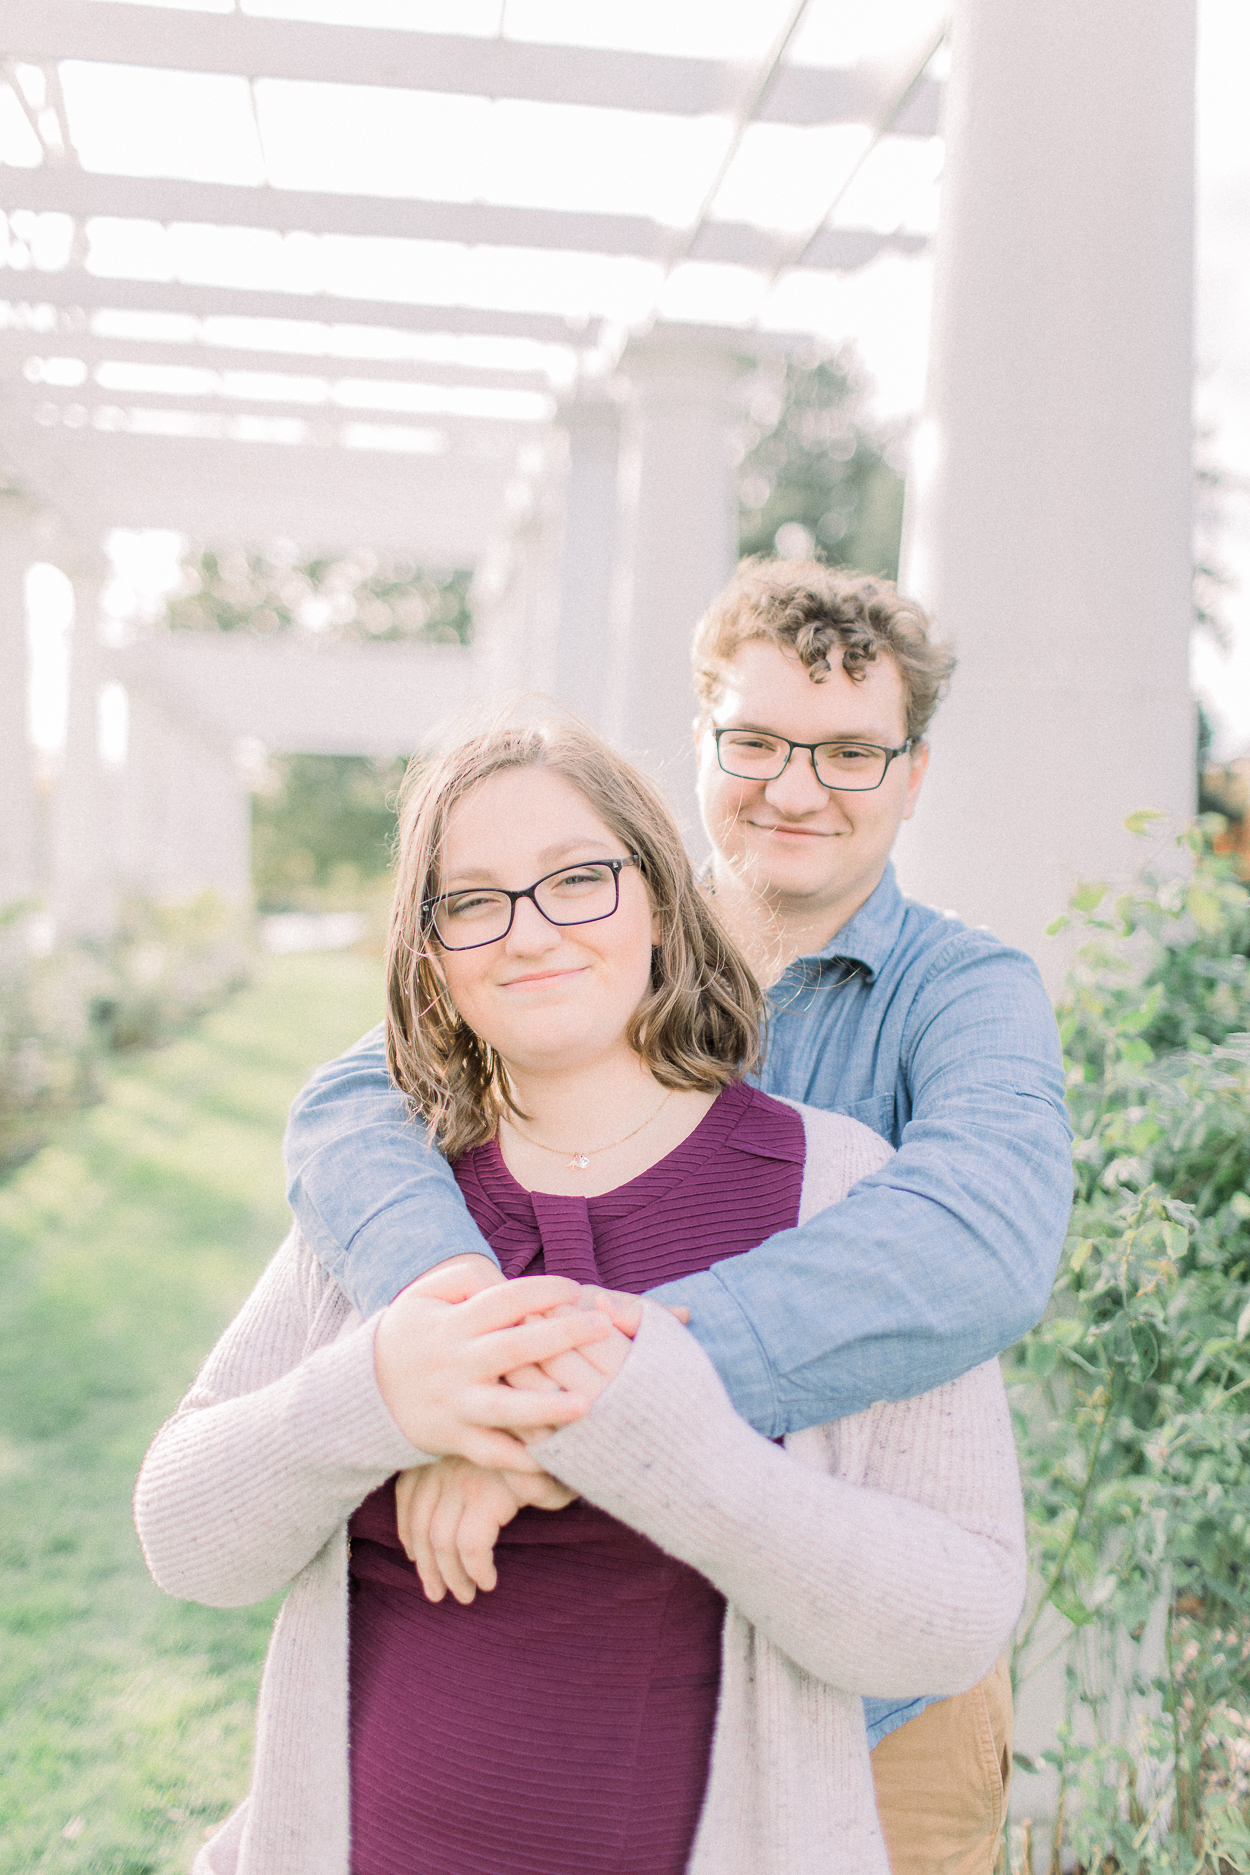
x=581 y=651
x=185 y=814
x=19 y=548
x=678 y=544
x=83 y=882
x=1049 y=508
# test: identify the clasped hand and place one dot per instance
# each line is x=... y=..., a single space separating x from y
x=476 y=1370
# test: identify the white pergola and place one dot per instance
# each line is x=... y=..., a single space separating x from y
x=479 y=284
x=479 y=281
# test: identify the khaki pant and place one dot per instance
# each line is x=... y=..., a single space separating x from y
x=942 y=1781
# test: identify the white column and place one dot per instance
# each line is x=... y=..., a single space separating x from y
x=581 y=651
x=185 y=815
x=83 y=864
x=18 y=814
x=678 y=544
x=1049 y=508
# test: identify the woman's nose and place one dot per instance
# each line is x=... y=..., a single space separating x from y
x=531 y=933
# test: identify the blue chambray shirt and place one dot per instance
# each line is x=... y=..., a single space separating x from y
x=938 y=1037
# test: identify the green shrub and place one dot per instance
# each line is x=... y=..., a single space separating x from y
x=59 y=1014
x=1133 y=1395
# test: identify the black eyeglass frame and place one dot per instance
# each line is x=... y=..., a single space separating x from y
x=811 y=748
x=616 y=866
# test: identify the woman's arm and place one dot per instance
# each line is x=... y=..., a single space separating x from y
x=269 y=1452
x=274 y=1447
x=913 y=1577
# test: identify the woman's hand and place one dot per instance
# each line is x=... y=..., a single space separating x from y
x=583 y=1372
x=440 y=1366
x=588 y=1371
x=450 y=1514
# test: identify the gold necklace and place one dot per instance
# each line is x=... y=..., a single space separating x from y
x=580 y=1160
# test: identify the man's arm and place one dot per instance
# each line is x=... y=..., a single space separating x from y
x=378 y=1206
x=941 y=1259
x=930 y=1266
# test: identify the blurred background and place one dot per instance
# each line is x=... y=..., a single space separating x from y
x=363 y=361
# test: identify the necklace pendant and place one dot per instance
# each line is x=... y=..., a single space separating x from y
x=579 y=1162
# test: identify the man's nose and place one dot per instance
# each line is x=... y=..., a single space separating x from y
x=796 y=787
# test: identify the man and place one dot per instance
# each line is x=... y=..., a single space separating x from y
x=815 y=687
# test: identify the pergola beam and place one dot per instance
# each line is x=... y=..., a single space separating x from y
x=440 y=510
x=50 y=30
x=16 y=347
x=76 y=291
x=490 y=435
x=306 y=211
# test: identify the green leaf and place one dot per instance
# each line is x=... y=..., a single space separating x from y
x=1176 y=1237
x=1088 y=897
x=1204 y=908
x=1243 y=1323
x=1058 y=924
x=1043 y=1358
x=1136 y=1053
x=1145 y=1349
x=1140 y=821
x=1142 y=1136
x=1080 y=1254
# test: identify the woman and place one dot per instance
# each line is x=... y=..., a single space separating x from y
x=666 y=1675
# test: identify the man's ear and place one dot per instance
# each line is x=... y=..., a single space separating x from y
x=919 y=764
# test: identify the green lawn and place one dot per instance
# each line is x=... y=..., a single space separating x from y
x=125 y=1246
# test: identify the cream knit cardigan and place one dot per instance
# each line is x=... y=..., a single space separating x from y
x=880 y=1554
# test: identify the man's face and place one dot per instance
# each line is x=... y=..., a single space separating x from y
x=806 y=848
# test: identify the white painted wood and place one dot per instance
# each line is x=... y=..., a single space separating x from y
x=1049 y=505
x=19 y=549
x=677 y=545
x=501 y=68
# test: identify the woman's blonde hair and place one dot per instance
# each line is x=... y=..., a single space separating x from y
x=699 y=1024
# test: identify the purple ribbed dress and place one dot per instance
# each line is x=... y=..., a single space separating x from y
x=561 y=1724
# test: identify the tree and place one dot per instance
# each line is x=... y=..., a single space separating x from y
x=812 y=462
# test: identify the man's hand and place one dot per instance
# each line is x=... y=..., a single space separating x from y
x=450 y=1514
x=439 y=1366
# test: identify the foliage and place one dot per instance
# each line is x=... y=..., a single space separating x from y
x=47 y=1056
x=1133 y=1395
x=355 y=597
x=60 y=1014
x=322 y=830
x=811 y=462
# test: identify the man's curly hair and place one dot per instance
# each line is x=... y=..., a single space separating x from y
x=819 y=613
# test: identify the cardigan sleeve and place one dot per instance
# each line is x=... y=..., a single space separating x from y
x=912 y=1575
x=273 y=1447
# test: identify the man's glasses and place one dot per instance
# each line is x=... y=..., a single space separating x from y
x=583 y=894
x=851 y=767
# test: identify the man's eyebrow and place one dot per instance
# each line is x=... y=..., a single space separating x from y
x=877 y=736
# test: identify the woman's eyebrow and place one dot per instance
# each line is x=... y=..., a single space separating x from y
x=485 y=875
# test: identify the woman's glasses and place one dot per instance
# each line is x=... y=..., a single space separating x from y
x=582 y=894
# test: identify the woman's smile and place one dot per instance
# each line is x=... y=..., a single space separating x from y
x=544 y=979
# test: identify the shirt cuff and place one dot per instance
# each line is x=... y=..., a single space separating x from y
x=392 y=1250
x=725 y=1334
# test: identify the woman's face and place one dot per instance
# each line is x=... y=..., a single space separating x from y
x=545 y=997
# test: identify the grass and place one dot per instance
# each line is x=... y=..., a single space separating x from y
x=125 y=1247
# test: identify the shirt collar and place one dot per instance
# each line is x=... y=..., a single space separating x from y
x=867 y=938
